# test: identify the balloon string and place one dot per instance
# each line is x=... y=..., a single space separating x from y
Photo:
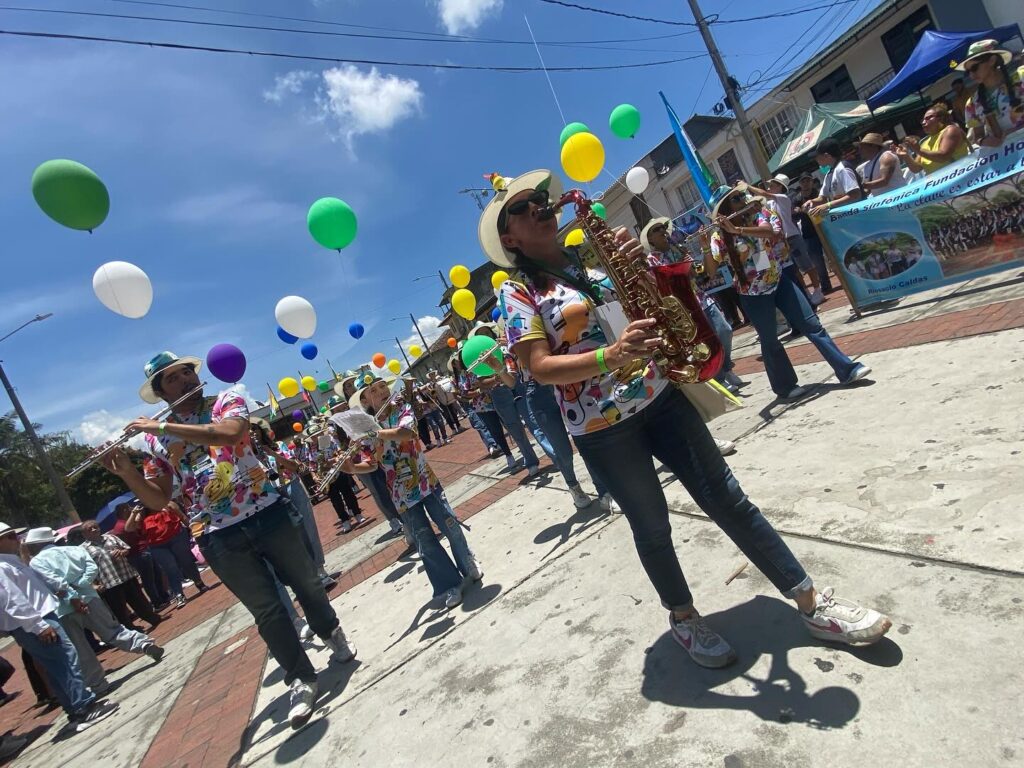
x=543 y=66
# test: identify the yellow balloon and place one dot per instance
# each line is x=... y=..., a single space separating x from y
x=464 y=303
x=498 y=278
x=582 y=157
x=367 y=379
x=459 y=276
x=308 y=383
x=394 y=366
x=288 y=387
x=575 y=237
x=415 y=350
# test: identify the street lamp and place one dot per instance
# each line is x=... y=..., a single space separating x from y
x=26 y=423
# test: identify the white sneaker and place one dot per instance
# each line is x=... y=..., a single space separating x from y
x=396 y=527
x=533 y=470
x=301 y=700
x=453 y=597
x=88 y=717
x=476 y=573
x=302 y=629
x=817 y=297
x=609 y=505
x=843 y=621
x=342 y=650
x=360 y=519
x=579 y=497
x=795 y=394
x=725 y=447
x=859 y=372
x=705 y=646
x=346 y=527
x=495 y=453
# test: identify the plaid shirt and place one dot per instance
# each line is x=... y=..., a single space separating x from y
x=112 y=570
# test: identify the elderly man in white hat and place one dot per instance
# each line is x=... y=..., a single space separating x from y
x=28 y=611
x=71 y=573
x=244 y=523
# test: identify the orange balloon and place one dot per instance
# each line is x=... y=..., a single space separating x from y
x=380 y=359
x=297 y=426
x=452 y=343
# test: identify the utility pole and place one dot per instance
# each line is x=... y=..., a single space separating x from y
x=407 y=363
x=737 y=107
x=426 y=347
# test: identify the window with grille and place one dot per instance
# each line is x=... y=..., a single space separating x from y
x=835 y=86
x=688 y=195
x=775 y=129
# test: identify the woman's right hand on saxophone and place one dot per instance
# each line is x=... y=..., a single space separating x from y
x=636 y=341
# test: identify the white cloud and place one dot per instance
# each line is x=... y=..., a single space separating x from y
x=287 y=84
x=100 y=426
x=236 y=208
x=431 y=328
x=461 y=15
x=241 y=389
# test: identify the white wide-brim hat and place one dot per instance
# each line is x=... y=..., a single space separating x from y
x=651 y=225
x=161 y=364
x=487 y=230
x=984 y=48
x=40 y=536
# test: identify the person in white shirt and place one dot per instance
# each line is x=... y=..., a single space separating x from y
x=880 y=171
x=840 y=185
x=28 y=612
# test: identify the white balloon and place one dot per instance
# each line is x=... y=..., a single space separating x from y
x=123 y=288
x=296 y=316
x=637 y=179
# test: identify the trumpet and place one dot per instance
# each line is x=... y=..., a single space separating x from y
x=114 y=444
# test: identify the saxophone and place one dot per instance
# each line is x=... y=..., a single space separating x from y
x=689 y=351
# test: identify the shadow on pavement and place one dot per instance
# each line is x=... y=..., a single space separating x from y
x=399 y=572
x=761 y=626
x=560 y=533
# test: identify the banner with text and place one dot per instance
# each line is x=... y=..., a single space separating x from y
x=959 y=222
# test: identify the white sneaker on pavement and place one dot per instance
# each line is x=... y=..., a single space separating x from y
x=795 y=394
x=453 y=597
x=843 y=621
x=302 y=629
x=301 y=700
x=705 y=646
x=579 y=496
x=342 y=650
x=608 y=504
x=725 y=447
x=88 y=717
x=533 y=470
x=817 y=297
x=859 y=372
x=346 y=527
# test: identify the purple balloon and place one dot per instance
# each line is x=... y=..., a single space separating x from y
x=226 y=362
x=298 y=415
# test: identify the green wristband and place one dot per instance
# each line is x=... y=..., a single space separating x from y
x=601 y=364
x=163 y=428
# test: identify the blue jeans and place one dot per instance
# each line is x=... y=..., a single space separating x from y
x=240 y=555
x=789 y=300
x=436 y=423
x=302 y=508
x=60 y=660
x=818 y=260
x=478 y=425
x=174 y=558
x=724 y=332
x=671 y=431
x=505 y=406
x=377 y=484
x=442 y=572
x=144 y=564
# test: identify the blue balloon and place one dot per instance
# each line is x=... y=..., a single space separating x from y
x=308 y=350
x=356 y=331
x=495 y=314
x=286 y=337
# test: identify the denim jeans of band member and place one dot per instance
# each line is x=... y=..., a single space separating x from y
x=798 y=282
x=60 y=662
x=174 y=558
x=505 y=406
x=526 y=414
x=724 y=332
x=477 y=423
x=798 y=313
x=240 y=555
x=151 y=583
x=376 y=483
x=302 y=508
x=442 y=572
x=818 y=260
x=436 y=422
x=88 y=665
x=495 y=428
x=451 y=415
x=671 y=431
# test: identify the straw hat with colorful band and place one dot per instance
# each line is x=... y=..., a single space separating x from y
x=721 y=194
x=487 y=230
x=644 y=241
x=160 y=364
x=984 y=48
x=873 y=139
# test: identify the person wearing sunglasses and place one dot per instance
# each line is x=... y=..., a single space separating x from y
x=556 y=325
x=997 y=106
x=944 y=142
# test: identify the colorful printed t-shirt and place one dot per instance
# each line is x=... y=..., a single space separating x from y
x=220 y=485
x=482 y=400
x=405 y=466
x=998 y=103
x=565 y=317
x=761 y=258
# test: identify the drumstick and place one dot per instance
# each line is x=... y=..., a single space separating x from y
x=736 y=572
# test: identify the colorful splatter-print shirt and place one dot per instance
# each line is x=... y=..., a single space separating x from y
x=405 y=466
x=760 y=256
x=482 y=400
x=1008 y=118
x=565 y=317
x=219 y=485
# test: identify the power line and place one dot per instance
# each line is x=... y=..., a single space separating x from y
x=710 y=20
x=334 y=59
x=606 y=12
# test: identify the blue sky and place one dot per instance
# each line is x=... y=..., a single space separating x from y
x=212 y=161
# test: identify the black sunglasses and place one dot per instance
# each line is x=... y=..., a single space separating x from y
x=539 y=198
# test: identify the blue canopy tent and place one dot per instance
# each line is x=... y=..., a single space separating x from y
x=931 y=59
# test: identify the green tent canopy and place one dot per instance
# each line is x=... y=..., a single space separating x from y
x=840 y=119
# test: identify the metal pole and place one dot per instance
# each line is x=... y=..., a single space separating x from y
x=426 y=347
x=44 y=460
x=723 y=75
x=407 y=363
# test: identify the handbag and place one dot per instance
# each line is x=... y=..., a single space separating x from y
x=710 y=399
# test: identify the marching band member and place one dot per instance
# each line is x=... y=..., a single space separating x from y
x=244 y=521
x=622 y=426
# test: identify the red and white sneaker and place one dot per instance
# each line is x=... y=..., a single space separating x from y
x=843 y=621
x=705 y=646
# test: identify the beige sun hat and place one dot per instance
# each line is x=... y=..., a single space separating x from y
x=159 y=364
x=781 y=178
x=651 y=225
x=356 y=401
x=984 y=48
x=873 y=139
x=492 y=327
x=487 y=230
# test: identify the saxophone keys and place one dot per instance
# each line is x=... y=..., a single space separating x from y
x=688 y=374
x=701 y=352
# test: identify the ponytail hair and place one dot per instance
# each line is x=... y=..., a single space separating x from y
x=1011 y=94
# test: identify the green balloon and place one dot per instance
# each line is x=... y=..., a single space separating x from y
x=600 y=210
x=475 y=348
x=323 y=386
x=571 y=130
x=71 y=194
x=624 y=121
x=332 y=223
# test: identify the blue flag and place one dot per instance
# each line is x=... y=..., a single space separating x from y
x=698 y=170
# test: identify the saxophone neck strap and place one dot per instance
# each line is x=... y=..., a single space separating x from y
x=580 y=282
